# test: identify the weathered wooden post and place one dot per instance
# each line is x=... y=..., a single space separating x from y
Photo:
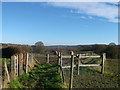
x=103 y=60
x=24 y=61
x=61 y=59
x=6 y=71
x=61 y=71
x=105 y=56
x=77 y=56
x=12 y=73
x=16 y=65
x=20 y=64
x=47 y=57
x=71 y=70
x=27 y=58
x=79 y=62
x=58 y=61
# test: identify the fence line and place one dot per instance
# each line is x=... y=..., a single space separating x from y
x=18 y=65
x=79 y=64
x=20 y=62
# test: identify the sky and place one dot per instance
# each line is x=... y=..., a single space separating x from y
x=60 y=23
x=0 y=22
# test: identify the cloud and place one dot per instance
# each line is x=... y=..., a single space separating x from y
x=104 y=10
x=60 y=0
x=86 y=17
x=91 y=8
x=83 y=17
x=90 y=17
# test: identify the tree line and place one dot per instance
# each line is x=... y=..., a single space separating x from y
x=111 y=50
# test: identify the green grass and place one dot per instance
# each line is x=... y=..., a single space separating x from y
x=7 y=60
x=2 y=64
x=15 y=84
x=44 y=76
x=91 y=77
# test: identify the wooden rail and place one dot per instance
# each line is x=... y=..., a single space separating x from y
x=97 y=56
x=82 y=65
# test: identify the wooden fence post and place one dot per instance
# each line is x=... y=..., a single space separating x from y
x=61 y=59
x=47 y=58
x=103 y=60
x=79 y=62
x=58 y=61
x=12 y=74
x=20 y=64
x=24 y=61
x=105 y=56
x=6 y=71
x=16 y=65
x=71 y=71
x=27 y=57
x=61 y=71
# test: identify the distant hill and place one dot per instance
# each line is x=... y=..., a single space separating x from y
x=5 y=45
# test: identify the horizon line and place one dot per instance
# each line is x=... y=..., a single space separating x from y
x=62 y=44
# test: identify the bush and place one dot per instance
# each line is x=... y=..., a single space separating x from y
x=9 y=51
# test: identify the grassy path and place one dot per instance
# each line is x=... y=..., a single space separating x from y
x=44 y=76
